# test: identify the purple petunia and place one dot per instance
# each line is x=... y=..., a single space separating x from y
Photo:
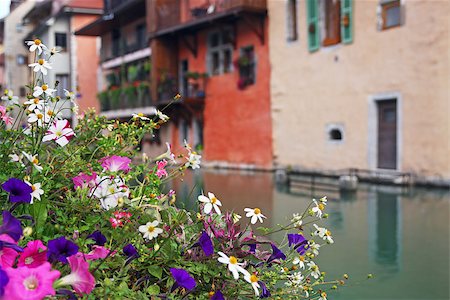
x=4 y=279
x=59 y=249
x=182 y=279
x=276 y=254
x=18 y=190
x=11 y=226
x=206 y=244
x=130 y=252
x=265 y=293
x=217 y=296
x=98 y=237
x=299 y=242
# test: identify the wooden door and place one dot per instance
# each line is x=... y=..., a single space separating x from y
x=387 y=134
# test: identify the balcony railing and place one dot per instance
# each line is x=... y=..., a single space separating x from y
x=121 y=48
x=175 y=12
x=192 y=87
x=119 y=98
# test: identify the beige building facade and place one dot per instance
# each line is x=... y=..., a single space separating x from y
x=361 y=84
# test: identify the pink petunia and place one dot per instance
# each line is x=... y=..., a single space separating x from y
x=98 y=252
x=7 y=255
x=80 y=278
x=34 y=255
x=30 y=283
x=160 y=172
x=115 y=163
x=84 y=180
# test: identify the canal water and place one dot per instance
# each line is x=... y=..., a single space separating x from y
x=400 y=235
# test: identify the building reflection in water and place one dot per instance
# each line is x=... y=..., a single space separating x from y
x=385 y=228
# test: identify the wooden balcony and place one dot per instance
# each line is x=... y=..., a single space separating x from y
x=174 y=15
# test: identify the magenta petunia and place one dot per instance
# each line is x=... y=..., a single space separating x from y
x=98 y=252
x=160 y=172
x=115 y=163
x=80 y=278
x=30 y=283
x=85 y=181
x=34 y=255
x=7 y=255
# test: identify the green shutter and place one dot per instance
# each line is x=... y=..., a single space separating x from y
x=347 y=21
x=312 y=25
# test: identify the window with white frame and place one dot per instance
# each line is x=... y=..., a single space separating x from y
x=292 y=34
x=390 y=14
x=220 y=52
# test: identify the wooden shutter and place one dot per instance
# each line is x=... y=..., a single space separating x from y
x=347 y=21
x=312 y=25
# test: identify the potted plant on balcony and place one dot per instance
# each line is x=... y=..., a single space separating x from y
x=196 y=84
x=104 y=100
x=115 y=94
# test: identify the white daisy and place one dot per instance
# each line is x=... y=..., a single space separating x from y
x=44 y=89
x=297 y=220
x=210 y=202
x=162 y=116
x=253 y=280
x=41 y=66
x=38 y=117
x=37 y=191
x=255 y=214
x=315 y=272
x=317 y=210
x=9 y=96
x=52 y=51
x=140 y=116
x=36 y=44
x=233 y=265
x=323 y=296
x=193 y=161
x=34 y=160
x=69 y=95
x=323 y=233
x=300 y=261
x=314 y=248
x=296 y=278
x=150 y=230
x=35 y=103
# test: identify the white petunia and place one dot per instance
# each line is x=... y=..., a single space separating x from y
x=255 y=214
x=36 y=44
x=37 y=191
x=9 y=97
x=44 y=89
x=253 y=280
x=233 y=265
x=210 y=202
x=41 y=66
x=60 y=132
x=315 y=272
x=110 y=191
x=34 y=161
x=150 y=230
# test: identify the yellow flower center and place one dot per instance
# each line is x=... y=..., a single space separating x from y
x=37 y=42
x=321 y=206
x=36 y=100
x=40 y=116
x=44 y=87
x=140 y=114
x=314 y=268
x=233 y=260
x=253 y=278
x=151 y=229
x=323 y=294
x=213 y=200
x=58 y=133
x=210 y=294
x=328 y=233
x=302 y=258
x=41 y=61
x=28 y=260
x=257 y=211
x=30 y=283
x=33 y=188
x=50 y=112
x=35 y=161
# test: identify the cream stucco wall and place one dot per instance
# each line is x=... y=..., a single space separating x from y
x=335 y=85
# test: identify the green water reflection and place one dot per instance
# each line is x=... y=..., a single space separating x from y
x=399 y=235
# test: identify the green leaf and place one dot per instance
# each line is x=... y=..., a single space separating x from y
x=155 y=271
x=153 y=290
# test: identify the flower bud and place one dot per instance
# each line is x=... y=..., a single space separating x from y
x=345 y=276
x=369 y=276
x=27 y=231
x=156 y=246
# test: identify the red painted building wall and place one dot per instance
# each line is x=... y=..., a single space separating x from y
x=237 y=123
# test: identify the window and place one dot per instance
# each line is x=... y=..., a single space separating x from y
x=246 y=65
x=335 y=133
x=115 y=42
x=390 y=14
x=329 y=22
x=21 y=59
x=220 y=52
x=331 y=18
x=292 y=20
x=140 y=36
x=61 y=41
x=63 y=83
